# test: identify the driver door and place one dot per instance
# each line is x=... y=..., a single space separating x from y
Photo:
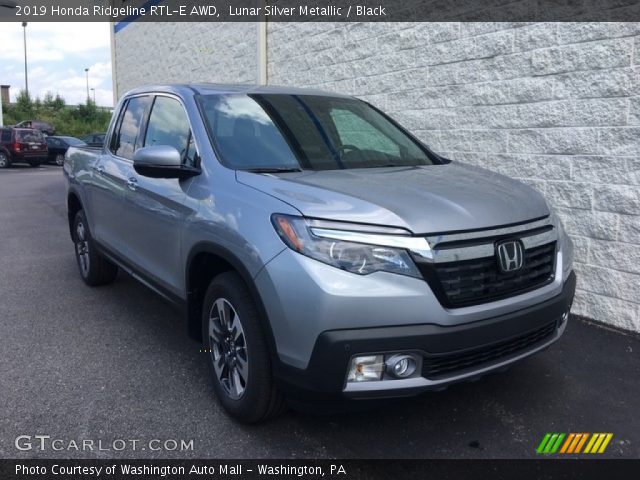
x=155 y=207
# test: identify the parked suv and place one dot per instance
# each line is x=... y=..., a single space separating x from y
x=44 y=127
x=317 y=248
x=22 y=145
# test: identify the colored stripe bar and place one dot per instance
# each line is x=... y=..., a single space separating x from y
x=544 y=441
x=581 y=442
x=592 y=441
x=550 y=443
x=575 y=442
x=556 y=446
x=567 y=442
x=606 y=441
x=596 y=446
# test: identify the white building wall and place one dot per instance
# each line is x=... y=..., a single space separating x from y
x=147 y=53
x=555 y=105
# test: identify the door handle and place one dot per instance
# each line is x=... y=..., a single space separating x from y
x=132 y=183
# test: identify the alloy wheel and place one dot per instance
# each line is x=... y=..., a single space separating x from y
x=228 y=348
x=82 y=249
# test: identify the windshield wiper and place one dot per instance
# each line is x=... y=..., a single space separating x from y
x=273 y=169
x=387 y=165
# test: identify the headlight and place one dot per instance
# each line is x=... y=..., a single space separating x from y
x=359 y=258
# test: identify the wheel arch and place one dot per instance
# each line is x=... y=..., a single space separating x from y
x=74 y=205
x=204 y=262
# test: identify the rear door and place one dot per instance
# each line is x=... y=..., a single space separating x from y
x=110 y=176
x=155 y=207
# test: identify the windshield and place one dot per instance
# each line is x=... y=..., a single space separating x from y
x=283 y=132
x=29 y=136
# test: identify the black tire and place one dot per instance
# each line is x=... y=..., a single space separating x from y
x=260 y=400
x=5 y=162
x=59 y=159
x=94 y=269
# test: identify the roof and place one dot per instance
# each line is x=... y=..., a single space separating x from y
x=222 y=89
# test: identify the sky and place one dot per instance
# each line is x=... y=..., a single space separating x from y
x=57 y=54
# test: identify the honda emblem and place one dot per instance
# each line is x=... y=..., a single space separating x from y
x=510 y=255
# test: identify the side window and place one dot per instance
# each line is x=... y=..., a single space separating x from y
x=168 y=125
x=6 y=136
x=123 y=143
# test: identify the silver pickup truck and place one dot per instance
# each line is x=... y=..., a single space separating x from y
x=317 y=248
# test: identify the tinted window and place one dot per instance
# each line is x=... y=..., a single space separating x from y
x=6 y=136
x=54 y=142
x=126 y=135
x=34 y=136
x=168 y=125
x=309 y=131
x=245 y=134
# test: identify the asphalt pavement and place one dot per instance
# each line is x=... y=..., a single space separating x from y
x=113 y=365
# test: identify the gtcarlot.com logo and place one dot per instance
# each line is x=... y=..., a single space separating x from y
x=574 y=443
x=46 y=442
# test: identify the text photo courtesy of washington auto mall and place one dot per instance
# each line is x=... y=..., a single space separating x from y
x=352 y=239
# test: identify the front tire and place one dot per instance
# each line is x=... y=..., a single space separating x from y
x=59 y=160
x=237 y=352
x=94 y=269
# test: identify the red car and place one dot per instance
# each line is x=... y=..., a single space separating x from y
x=22 y=145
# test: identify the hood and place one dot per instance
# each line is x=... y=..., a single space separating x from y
x=424 y=199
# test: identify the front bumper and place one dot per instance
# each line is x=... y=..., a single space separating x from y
x=469 y=350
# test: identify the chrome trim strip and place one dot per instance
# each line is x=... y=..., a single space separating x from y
x=518 y=229
x=417 y=245
x=488 y=249
x=356 y=227
x=426 y=247
x=533 y=241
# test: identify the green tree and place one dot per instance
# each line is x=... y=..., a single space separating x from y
x=68 y=120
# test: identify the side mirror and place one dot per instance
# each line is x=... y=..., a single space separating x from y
x=161 y=161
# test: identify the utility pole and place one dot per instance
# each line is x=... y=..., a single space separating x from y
x=87 y=72
x=26 y=77
x=94 y=94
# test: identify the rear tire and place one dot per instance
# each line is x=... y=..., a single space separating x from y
x=94 y=269
x=4 y=160
x=237 y=352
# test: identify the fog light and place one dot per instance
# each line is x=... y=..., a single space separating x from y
x=401 y=366
x=366 y=368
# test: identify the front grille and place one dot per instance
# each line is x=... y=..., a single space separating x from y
x=471 y=282
x=458 y=363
